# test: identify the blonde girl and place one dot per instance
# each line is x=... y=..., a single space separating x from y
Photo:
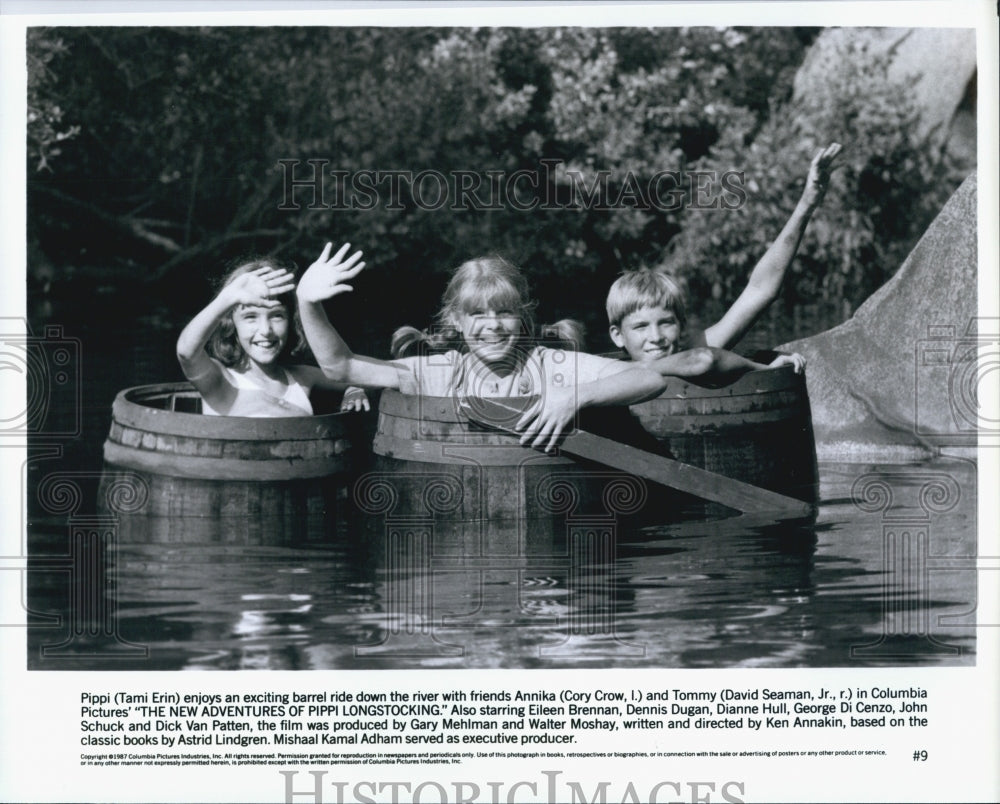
x=485 y=347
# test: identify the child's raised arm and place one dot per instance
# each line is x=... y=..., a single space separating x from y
x=258 y=288
x=768 y=274
x=324 y=279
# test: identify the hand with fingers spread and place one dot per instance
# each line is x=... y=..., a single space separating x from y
x=544 y=422
x=324 y=279
x=327 y=277
x=819 y=175
x=258 y=288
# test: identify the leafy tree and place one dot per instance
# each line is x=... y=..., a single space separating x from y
x=888 y=188
x=45 y=116
x=174 y=146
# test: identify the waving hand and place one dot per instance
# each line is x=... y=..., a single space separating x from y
x=819 y=175
x=327 y=277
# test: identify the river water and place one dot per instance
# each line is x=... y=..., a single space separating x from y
x=885 y=575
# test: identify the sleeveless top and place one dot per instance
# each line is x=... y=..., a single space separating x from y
x=252 y=400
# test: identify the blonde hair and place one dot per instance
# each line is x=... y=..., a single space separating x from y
x=634 y=290
x=484 y=283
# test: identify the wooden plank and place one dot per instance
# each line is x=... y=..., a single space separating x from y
x=710 y=486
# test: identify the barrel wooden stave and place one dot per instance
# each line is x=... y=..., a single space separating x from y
x=181 y=511
x=757 y=429
x=479 y=525
x=502 y=497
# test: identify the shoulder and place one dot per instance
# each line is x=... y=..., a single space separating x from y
x=566 y=367
x=218 y=366
x=204 y=369
x=308 y=376
x=217 y=384
x=430 y=374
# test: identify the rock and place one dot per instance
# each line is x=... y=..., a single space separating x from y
x=941 y=62
x=891 y=381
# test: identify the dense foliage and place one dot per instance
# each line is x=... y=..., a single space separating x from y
x=158 y=153
x=888 y=187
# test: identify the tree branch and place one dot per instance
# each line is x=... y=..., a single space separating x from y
x=135 y=227
x=208 y=246
x=121 y=222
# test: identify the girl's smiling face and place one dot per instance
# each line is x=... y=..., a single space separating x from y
x=490 y=334
x=262 y=332
x=487 y=302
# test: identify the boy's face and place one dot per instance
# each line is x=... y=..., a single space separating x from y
x=648 y=334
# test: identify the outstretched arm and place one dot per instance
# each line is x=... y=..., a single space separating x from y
x=354 y=398
x=259 y=288
x=695 y=362
x=728 y=365
x=718 y=365
x=324 y=279
x=768 y=274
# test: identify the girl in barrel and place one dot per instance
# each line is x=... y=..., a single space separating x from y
x=233 y=351
x=484 y=346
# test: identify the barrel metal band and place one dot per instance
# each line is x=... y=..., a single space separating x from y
x=455 y=453
x=128 y=409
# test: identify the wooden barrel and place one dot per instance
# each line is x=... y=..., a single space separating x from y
x=221 y=479
x=477 y=488
x=757 y=429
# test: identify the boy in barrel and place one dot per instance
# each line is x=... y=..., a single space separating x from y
x=646 y=310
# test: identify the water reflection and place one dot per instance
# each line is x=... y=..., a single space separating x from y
x=717 y=592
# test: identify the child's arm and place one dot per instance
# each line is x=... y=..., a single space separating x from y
x=695 y=362
x=354 y=398
x=257 y=288
x=766 y=278
x=558 y=406
x=322 y=280
x=715 y=364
